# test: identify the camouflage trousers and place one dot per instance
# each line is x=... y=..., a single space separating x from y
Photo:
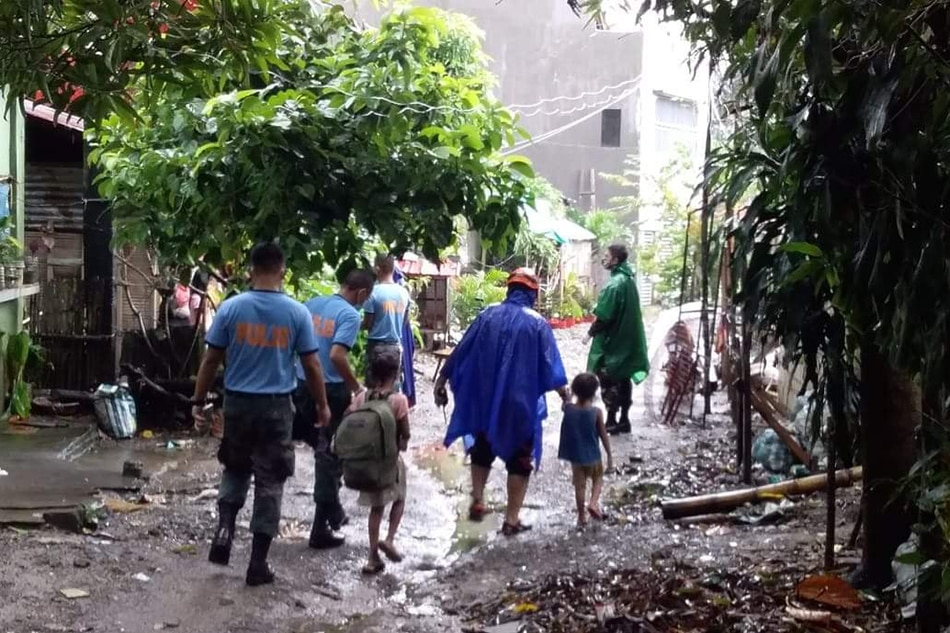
x=257 y=442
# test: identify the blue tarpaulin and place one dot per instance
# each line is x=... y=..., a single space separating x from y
x=499 y=374
x=408 y=351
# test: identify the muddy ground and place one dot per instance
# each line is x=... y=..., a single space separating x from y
x=145 y=567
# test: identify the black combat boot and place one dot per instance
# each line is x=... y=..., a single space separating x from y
x=259 y=572
x=220 y=553
x=321 y=536
x=337 y=518
x=621 y=427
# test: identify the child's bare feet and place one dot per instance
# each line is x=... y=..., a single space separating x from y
x=389 y=549
x=373 y=566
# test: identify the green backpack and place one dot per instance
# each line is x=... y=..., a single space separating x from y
x=367 y=445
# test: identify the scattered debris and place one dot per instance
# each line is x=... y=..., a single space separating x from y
x=73 y=594
x=141 y=577
x=189 y=549
x=133 y=470
x=225 y=601
x=3 y=473
x=210 y=493
x=121 y=506
x=672 y=596
x=81 y=563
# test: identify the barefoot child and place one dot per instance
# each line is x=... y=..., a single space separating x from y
x=385 y=369
x=582 y=430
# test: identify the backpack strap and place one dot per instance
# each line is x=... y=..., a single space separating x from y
x=378 y=395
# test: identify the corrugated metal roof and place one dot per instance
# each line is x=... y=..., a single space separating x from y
x=54 y=194
x=412 y=264
x=46 y=113
x=541 y=220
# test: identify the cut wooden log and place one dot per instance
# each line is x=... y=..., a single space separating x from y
x=729 y=501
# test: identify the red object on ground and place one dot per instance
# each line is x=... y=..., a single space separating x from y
x=570 y=322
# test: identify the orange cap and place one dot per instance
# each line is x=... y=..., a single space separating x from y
x=524 y=277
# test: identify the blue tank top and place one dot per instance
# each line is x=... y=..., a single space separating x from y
x=580 y=442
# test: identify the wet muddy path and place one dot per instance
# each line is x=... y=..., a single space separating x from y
x=145 y=569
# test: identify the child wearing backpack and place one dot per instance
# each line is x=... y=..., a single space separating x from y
x=582 y=432
x=385 y=369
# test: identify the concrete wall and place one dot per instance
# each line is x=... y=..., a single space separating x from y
x=540 y=51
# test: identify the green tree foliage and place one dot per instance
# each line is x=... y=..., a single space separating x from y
x=84 y=55
x=844 y=139
x=678 y=237
x=350 y=134
x=475 y=291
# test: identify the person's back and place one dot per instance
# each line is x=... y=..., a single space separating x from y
x=580 y=440
x=388 y=305
x=500 y=372
x=334 y=320
x=262 y=341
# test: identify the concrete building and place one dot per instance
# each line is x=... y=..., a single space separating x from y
x=596 y=101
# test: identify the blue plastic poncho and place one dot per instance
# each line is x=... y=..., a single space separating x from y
x=500 y=372
x=408 y=350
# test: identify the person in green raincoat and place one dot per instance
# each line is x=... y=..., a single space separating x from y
x=618 y=353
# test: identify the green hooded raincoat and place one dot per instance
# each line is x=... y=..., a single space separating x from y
x=620 y=350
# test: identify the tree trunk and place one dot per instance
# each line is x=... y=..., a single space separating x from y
x=890 y=414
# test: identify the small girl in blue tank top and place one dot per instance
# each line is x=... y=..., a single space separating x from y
x=582 y=432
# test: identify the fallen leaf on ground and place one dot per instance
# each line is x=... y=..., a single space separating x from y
x=829 y=590
x=188 y=548
x=72 y=593
x=526 y=607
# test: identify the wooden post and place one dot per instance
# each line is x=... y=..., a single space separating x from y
x=707 y=225
x=746 y=412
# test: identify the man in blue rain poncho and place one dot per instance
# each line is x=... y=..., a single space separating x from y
x=499 y=373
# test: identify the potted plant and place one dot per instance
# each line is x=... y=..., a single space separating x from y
x=11 y=254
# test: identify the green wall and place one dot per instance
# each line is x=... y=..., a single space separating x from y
x=12 y=171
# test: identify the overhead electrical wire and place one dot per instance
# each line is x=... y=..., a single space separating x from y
x=543 y=137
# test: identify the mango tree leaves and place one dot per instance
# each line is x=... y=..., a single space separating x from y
x=83 y=55
x=358 y=134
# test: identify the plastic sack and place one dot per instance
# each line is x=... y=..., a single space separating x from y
x=115 y=411
x=769 y=450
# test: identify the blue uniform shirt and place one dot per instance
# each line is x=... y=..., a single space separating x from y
x=335 y=322
x=262 y=333
x=388 y=305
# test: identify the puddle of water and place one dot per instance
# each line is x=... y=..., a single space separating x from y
x=449 y=469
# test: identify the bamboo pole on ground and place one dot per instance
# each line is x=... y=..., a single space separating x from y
x=728 y=501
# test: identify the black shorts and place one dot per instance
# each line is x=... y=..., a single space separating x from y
x=521 y=463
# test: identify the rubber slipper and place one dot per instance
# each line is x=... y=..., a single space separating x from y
x=508 y=529
x=371 y=569
x=391 y=552
x=595 y=514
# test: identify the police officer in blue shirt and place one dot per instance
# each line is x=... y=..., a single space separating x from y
x=336 y=324
x=261 y=333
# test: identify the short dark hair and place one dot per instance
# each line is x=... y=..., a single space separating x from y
x=585 y=386
x=619 y=251
x=359 y=279
x=385 y=365
x=386 y=263
x=267 y=258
